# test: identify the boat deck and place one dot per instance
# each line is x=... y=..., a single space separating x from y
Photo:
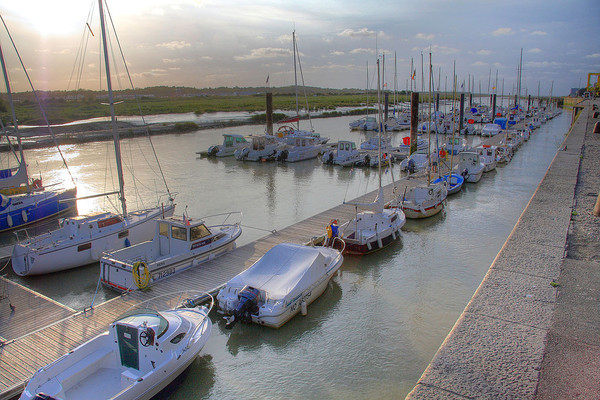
x=40 y=330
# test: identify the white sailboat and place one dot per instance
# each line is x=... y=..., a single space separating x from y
x=81 y=240
x=375 y=226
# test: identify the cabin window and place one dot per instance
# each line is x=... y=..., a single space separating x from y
x=163 y=229
x=198 y=232
x=228 y=141
x=178 y=233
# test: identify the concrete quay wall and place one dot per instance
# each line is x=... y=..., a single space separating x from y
x=497 y=347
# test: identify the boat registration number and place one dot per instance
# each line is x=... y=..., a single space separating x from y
x=163 y=274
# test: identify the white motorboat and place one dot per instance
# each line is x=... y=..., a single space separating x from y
x=470 y=166
x=404 y=148
x=345 y=154
x=81 y=240
x=396 y=123
x=416 y=162
x=179 y=243
x=284 y=281
x=372 y=143
x=299 y=148
x=261 y=148
x=491 y=130
x=365 y=124
x=287 y=131
x=231 y=143
x=489 y=156
x=425 y=200
x=141 y=353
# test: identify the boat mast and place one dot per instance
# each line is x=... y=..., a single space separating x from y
x=112 y=114
x=14 y=115
x=296 y=78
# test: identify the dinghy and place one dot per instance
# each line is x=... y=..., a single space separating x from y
x=141 y=353
x=280 y=284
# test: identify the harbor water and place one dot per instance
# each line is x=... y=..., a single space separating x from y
x=382 y=318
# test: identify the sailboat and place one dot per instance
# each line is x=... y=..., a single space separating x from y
x=82 y=239
x=24 y=201
x=375 y=226
x=425 y=199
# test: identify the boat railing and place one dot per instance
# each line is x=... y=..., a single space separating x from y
x=225 y=218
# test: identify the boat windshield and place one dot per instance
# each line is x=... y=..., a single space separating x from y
x=136 y=317
x=198 y=232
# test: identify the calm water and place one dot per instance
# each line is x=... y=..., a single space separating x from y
x=380 y=321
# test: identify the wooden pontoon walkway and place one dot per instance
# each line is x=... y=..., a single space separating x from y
x=38 y=330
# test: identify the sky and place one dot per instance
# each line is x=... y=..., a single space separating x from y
x=216 y=43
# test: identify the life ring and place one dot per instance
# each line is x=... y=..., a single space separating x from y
x=284 y=131
x=141 y=278
x=442 y=153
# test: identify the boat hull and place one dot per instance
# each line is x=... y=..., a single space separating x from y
x=36 y=257
x=28 y=209
x=417 y=213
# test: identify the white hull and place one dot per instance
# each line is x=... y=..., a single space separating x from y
x=72 y=246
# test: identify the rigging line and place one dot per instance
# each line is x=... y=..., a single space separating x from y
x=37 y=99
x=81 y=52
x=12 y=149
x=303 y=86
x=139 y=107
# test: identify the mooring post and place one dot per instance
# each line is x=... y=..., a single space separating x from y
x=414 y=120
x=269 y=113
x=493 y=107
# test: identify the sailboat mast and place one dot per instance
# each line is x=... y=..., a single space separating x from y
x=380 y=118
x=112 y=113
x=296 y=78
x=14 y=116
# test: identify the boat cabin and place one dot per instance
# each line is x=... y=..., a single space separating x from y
x=233 y=140
x=181 y=234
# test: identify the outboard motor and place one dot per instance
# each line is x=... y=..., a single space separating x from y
x=283 y=155
x=465 y=173
x=411 y=166
x=213 y=150
x=248 y=305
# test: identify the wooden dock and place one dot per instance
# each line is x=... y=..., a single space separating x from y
x=36 y=330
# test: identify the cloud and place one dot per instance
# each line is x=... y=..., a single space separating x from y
x=483 y=52
x=175 y=45
x=360 y=33
x=362 y=51
x=503 y=32
x=595 y=55
x=265 y=52
x=336 y=53
x=424 y=36
x=539 y=33
x=479 y=64
x=534 y=50
x=542 y=64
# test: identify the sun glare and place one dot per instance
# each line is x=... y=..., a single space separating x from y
x=53 y=18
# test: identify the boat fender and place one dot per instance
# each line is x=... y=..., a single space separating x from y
x=304 y=308
x=9 y=220
x=141 y=276
x=24 y=215
x=430 y=192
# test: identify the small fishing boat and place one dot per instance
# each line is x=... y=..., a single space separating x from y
x=345 y=154
x=179 y=243
x=261 y=148
x=415 y=162
x=372 y=143
x=423 y=201
x=299 y=148
x=455 y=145
x=489 y=156
x=142 y=352
x=365 y=124
x=280 y=284
x=470 y=166
x=231 y=143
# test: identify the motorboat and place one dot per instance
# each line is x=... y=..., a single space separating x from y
x=179 y=243
x=82 y=239
x=231 y=143
x=424 y=200
x=491 y=130
x=283 y=282
x=345 y=154
x=287 y=131
x=140 y=354
x=454 y=182
x=488 y=154
x=299 y=148
x=470 y=166
x=372 y=143
x=365 y=124
x=261 y=148
x=396 y=123
x=404 y=148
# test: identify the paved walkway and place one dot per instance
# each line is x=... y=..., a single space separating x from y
x=531 y=329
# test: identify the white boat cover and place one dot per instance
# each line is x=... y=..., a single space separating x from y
x=285 y=270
